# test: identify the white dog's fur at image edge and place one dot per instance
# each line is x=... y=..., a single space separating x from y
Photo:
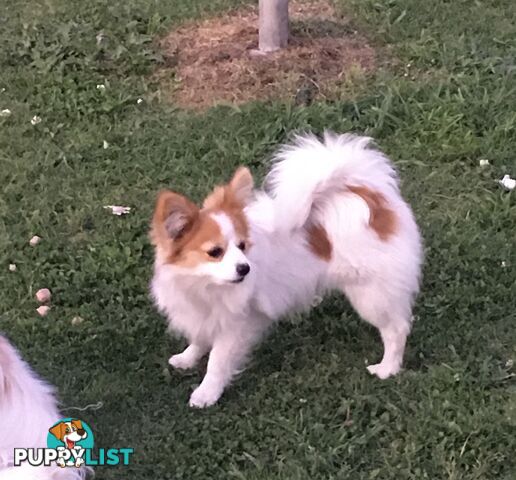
x=308 y=185
x=28 y=408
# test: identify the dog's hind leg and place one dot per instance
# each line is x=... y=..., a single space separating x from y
x=189 y=357
x=394 y=336
x=391 y=314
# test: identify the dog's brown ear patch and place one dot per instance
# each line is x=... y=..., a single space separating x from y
x=174 y=215
x=216 y=199
x=382 y=218
x=235 y=195
x=242 y=185
x=58 y=431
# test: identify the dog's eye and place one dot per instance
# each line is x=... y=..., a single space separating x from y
x=215 y=252
x=241 y=245
x=67 y=430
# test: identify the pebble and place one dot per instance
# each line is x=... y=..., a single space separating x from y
x=43 y=295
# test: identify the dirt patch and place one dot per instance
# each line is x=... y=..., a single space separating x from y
x=215 y=61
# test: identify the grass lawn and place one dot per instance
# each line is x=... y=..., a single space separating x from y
x=306 y=407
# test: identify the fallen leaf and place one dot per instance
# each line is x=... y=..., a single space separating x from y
x=118 y=209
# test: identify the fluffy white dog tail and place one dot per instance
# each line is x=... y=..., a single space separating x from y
x=308 y=171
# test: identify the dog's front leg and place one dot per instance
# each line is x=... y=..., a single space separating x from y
x=189 y=357
x=227 y=356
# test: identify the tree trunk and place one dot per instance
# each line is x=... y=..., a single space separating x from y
x=273 y=25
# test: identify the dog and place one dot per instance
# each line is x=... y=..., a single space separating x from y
x=331 y=217
x=70 y=433
x=28 y=406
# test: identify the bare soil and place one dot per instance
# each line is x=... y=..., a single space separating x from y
x=216 y=61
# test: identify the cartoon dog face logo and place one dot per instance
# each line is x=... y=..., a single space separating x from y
x=69 y=432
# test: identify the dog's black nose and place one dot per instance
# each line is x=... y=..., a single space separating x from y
x=81 y=432
x=243 y=269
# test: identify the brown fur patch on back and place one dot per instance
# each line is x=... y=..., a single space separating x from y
x=319 y=242
x=382 y=219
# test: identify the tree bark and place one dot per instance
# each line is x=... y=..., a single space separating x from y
x=273 y=25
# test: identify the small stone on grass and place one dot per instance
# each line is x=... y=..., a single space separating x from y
x=43 y=295
x=507 y=182
x=43 y=310
x=77 y=320
x=34 y=241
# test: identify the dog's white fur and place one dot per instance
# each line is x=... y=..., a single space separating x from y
x=28 y=408
x=307 y=185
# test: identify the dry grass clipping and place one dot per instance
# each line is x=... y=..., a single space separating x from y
x=215 y=61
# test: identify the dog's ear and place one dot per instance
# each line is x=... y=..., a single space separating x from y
x=58 y=431
x=78 y=424
x=174 y=215
x=236 y=194
x=242 y=185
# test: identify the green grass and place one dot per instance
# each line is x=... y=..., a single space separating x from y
x=305 y=408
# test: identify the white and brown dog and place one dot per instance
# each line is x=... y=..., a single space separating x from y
x=332 y=218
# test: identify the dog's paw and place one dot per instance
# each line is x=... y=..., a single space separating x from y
x=203 y=397
x=383 y=370
x=182 y=361
x=79 y=462
x=61 y=462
